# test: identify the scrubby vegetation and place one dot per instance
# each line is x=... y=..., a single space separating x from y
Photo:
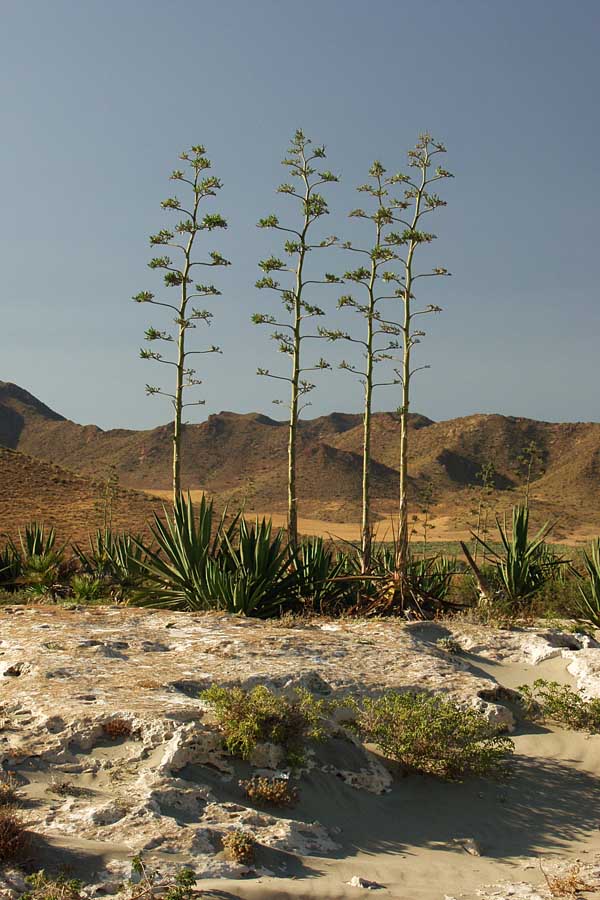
x=42 y=886
x=248 y=718
x=8 y=791
x=117 y=728
x=239 y=846
x=143 y=883
x=549 y=701
x=270 y=791
x=432 y=735
x=198 y=560
x=14 y=838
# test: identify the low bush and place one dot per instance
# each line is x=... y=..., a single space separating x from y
x=14 y=839
x=46 y=887
x=114 y=729
x=429 y=734
x=86 y=588
x=8 y=791
x=239 y=846
x=550 y=701
x=448 y=645
x=150 y=883
x=247 y=718
x=270 y=791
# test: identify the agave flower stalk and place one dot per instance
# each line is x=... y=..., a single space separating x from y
x=182 y=239
x=290 y=331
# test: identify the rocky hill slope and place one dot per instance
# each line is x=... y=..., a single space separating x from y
x=244 y=457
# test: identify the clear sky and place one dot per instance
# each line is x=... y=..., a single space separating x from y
x=99 y=96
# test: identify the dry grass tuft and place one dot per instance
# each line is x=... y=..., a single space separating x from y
x=14 y=839
x=8 y=791
x=270 y=791
x=117 y=728
x=239 y=846
x=568 y=884
x=67 y=789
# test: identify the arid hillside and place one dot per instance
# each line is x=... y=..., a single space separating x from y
x=243 y=458
x=34 y=490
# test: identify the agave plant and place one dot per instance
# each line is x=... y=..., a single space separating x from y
x=419 y=591
x=589 y=599
x=525 y=565
x=174 y=567
x=321 y=576
x=252 y=575
x=113 y=558
x=36 y=541
x=42 y=562
x=199 y=563
x=10 y=566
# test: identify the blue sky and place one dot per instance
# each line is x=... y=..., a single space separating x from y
x=98 y=98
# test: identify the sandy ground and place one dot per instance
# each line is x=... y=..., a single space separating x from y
x=443 y=525
x=409 y=841
x=412 y=840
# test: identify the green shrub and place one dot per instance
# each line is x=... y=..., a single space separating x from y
x=86 y=588
x=429 y=734
x=448 y=645
x=239 y=846
x=247 y=718
x=45 y=887
x=148 y=883
x=270 y=791
x=550 y=701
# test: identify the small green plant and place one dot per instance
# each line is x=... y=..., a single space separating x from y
x=8 y=791
x=144 y=882
x=550 y=701
x=239 y=846
x=270 y=791
x=14 y=839
x=45 y=887
x=448 y=645
x=86 y=588
x=247 y=718
x=430 y=734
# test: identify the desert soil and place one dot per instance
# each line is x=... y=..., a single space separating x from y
x=170 y=792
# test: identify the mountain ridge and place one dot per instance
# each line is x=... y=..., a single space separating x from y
x=242 y=457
